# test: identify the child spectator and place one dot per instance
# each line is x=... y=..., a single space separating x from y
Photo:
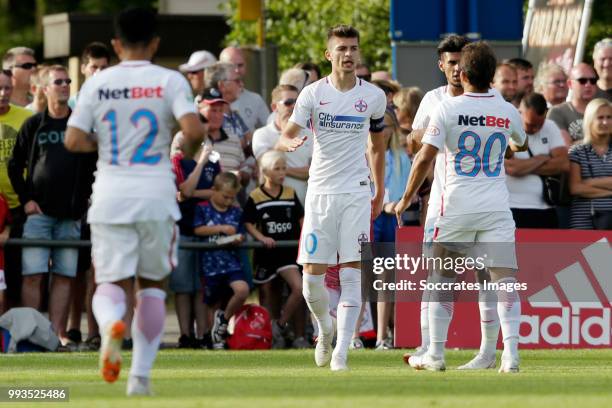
x=223 y=275
x=194 y=178
x=273 y=213
x=4 y=235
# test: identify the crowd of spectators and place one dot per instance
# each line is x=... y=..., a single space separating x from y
x=237 y=187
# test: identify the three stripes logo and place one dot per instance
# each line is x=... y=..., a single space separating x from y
x=574 y=309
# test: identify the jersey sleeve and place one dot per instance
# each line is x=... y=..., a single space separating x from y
x=377 y=120
x=250 y=212
x=435 y=134
x=83 y=115
x=304 y=107
x=517 y=134
x=179 y=96
x=554 y=134
x=421 y=119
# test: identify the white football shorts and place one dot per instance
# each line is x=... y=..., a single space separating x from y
x=489 y=234
x=334 y=227
x=146 y=249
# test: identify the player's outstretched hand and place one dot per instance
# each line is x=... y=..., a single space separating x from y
x=294 y=143
x=400 y=207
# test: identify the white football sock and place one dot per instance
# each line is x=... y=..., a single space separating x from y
x=317 y=299
x=425 y=318
x=147 y=330
x=348 y=308
x=509 y=310
x=441 y=306
x=108 y=304
x=489 y=322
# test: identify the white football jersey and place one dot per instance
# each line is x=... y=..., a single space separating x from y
x=428 y=104
x=132 y=107
x=473 y=131
x=340 y=123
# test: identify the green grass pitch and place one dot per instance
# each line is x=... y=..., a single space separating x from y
x=552 y=378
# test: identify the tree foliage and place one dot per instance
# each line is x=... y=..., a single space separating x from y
x=299 y=29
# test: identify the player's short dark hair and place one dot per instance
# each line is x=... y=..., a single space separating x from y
x=536 y=102
x=343 y=31
x=136 y=27
x=452 y=43
x=227 y=180
x=520 y=63
x=95 y=50
x=478 y=62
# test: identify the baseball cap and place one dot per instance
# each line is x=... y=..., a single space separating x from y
x=210 y=96
x=198 y=61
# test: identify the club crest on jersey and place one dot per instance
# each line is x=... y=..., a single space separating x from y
x=363 y=238
x=361 y=105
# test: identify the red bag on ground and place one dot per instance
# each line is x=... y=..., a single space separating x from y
x=252 y=329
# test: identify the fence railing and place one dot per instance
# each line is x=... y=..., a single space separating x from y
x=22 y=242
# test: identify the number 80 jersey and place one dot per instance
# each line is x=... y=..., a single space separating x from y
x=473 y=131
x=132 y=107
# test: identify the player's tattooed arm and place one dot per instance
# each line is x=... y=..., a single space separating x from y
x=418 y=174
x=79 y=141
x=414 y=140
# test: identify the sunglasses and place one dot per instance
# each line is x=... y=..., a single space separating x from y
x=59 y=82
x=7 y=72
x=25 y=65
x=583 y=81
x=288 y=101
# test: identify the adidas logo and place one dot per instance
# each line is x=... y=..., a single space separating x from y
x=586 y=321
x=265 y=216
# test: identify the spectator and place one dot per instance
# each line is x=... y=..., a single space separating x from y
x=295 y=77
x=390 y=88
x=5 y=229
x=194 y=177
x=223 y=77
x=273 y=213
x=591 y=169
x=546 y=156
x=381 y=75
x=22 y=64
x=95 y=57
x=363 y=72
x=568 y=115
x=602 y=60
x=524 y=76
x=406 y=103
x=54 y=194
x=313 y=70
x=194 y=69
x=397 y=169
x=551 y=82
x=265 y=139
x=221 y=268
x=39 y=100
x=505 y=81
x=250 y=105
x=227 y=144
x=11 y=119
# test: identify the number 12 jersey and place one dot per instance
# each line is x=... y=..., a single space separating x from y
x=132 y=107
